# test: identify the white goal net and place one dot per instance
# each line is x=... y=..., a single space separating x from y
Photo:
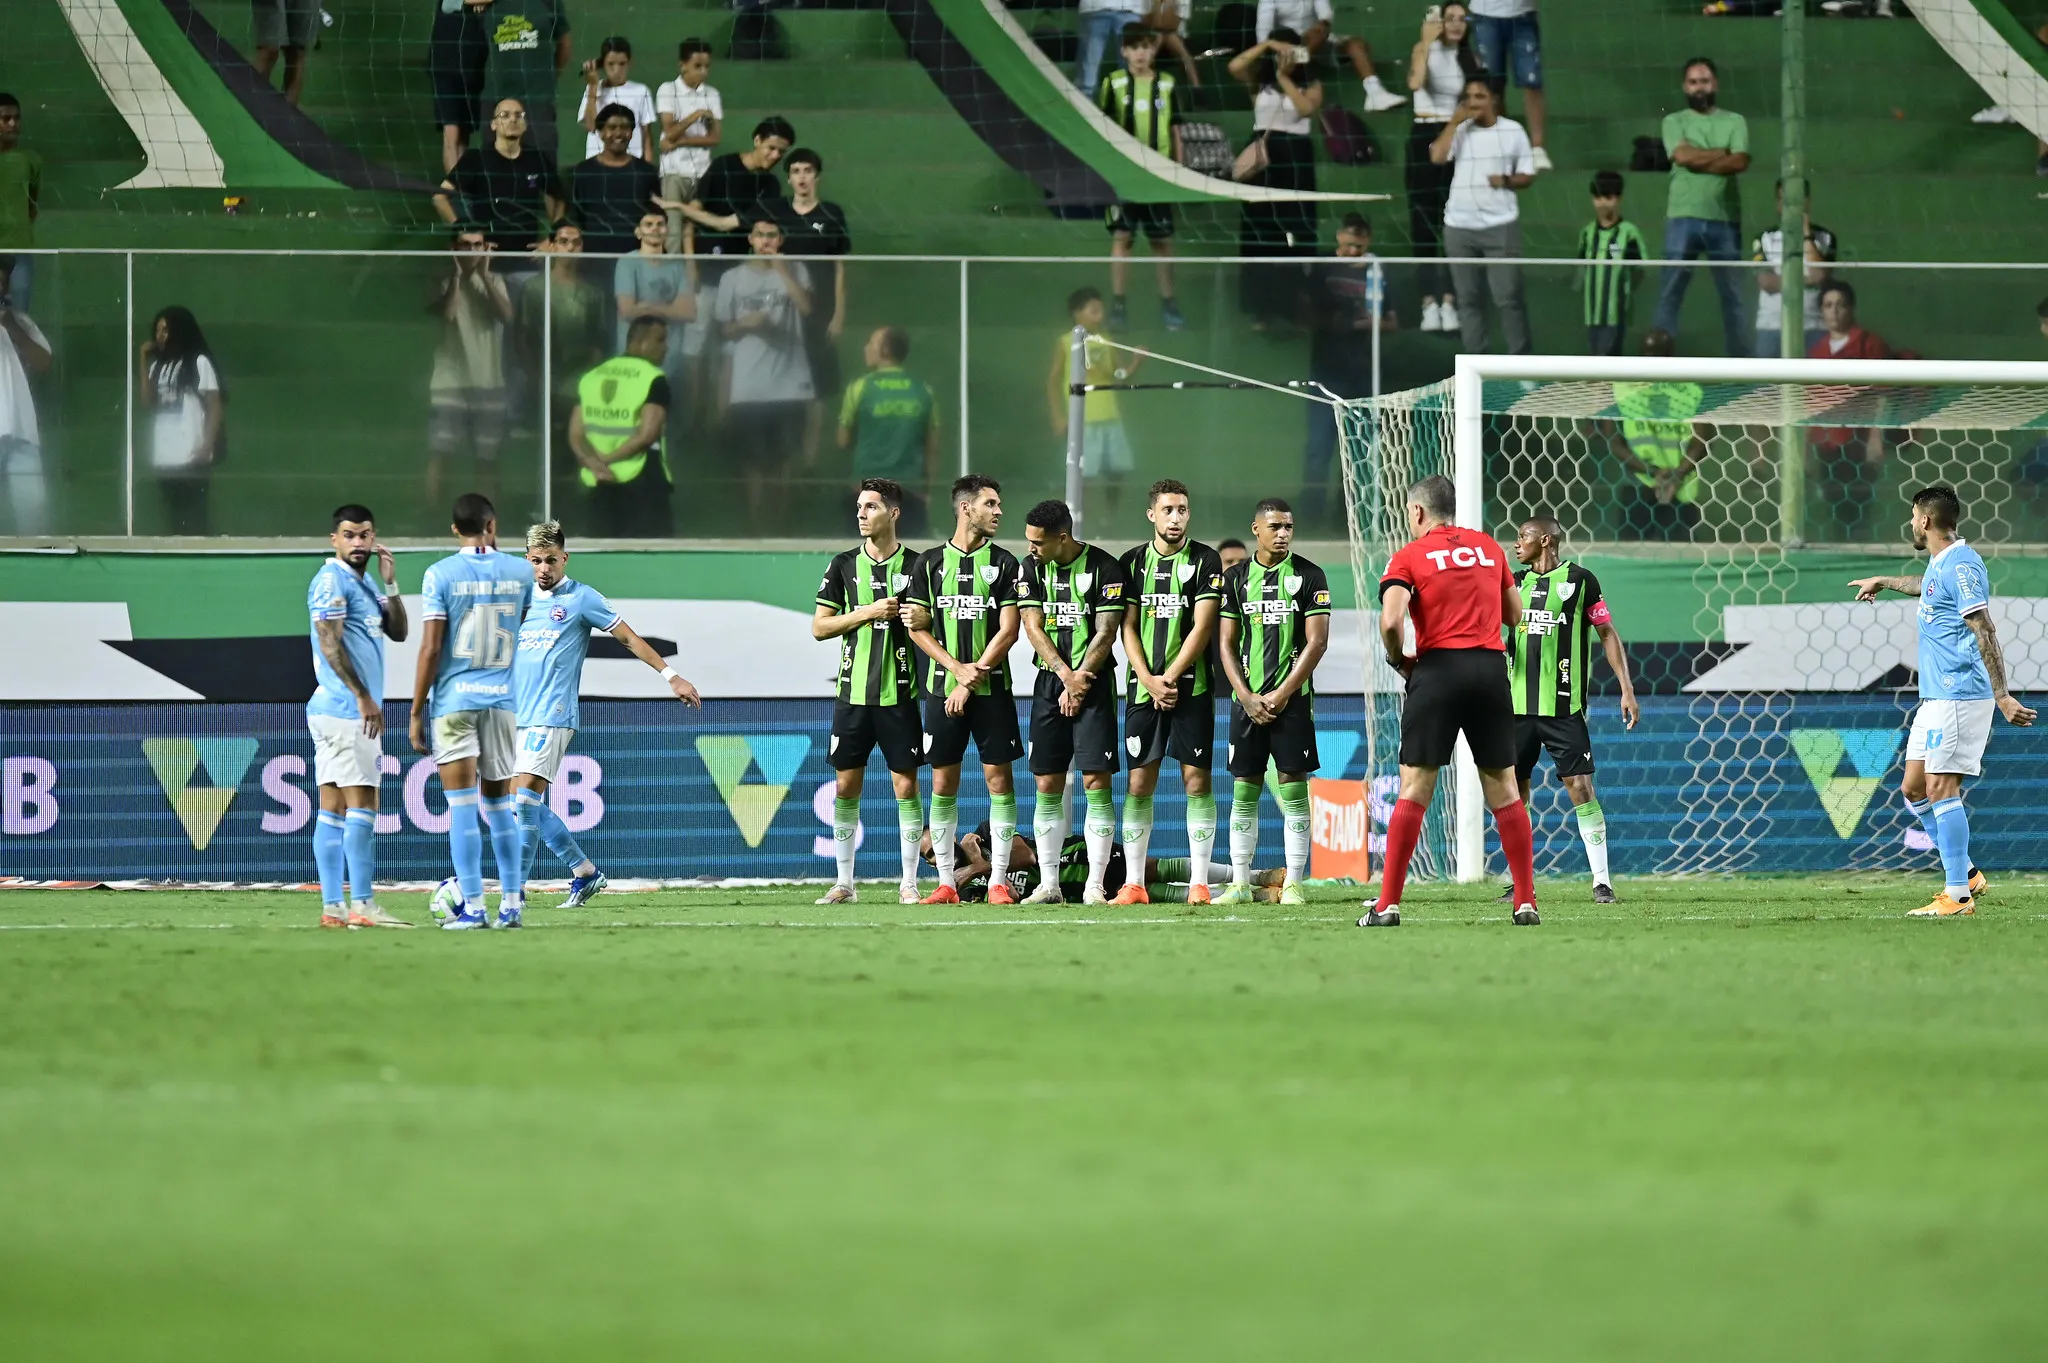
x=1724 y=505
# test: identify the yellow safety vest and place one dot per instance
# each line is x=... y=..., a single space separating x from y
x=611 y=396
x=1656 y=423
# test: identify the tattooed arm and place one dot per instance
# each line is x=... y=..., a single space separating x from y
x=1986 y=630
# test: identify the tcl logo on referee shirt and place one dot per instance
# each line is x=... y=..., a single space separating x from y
x=1464 y=556
x=1457 y=579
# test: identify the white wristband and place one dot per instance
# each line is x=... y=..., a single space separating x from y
x=669 y=674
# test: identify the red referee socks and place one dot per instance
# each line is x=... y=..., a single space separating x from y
x=1518 y=845
x=1403 y=830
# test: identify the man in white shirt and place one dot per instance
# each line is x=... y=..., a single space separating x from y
x=691 y=113
x=1506 y=38
x=1314 y=20
x=1491 y=160
x=24 y=354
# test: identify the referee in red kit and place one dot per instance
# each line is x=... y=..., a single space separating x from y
x=1457 y=586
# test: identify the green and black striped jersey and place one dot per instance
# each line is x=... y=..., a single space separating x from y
x=1163 y=590
x=1272 y=607
x=874 y=661
x=965 y=592
x=1553 y=646
x=1071 y=597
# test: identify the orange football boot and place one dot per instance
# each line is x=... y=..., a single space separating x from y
x=945 y=894
x=999 y=893
x=1944 y=907
x=1132 y=893
x=1198 y=894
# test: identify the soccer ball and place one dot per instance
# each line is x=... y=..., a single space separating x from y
x=447 y=900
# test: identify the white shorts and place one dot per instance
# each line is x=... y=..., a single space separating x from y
x=487 y=735
x=541 y=752
x=343 y=755
x=1949 y=735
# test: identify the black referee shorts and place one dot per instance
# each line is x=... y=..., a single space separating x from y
x=991 y=721
x=1453 y=691
x=1186 y=733
x=1289 y=742
x=1570 y=745
x=1087 y=740
x=858 y=730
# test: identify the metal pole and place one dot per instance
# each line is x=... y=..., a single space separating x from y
x=965 y=467
x=547 y=387
x=1468 y=434
x=1376 y=293
x=128 y=404
x=1792 y=271
x=1077 y=420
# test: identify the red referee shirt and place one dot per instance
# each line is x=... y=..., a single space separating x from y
x=1456 y=578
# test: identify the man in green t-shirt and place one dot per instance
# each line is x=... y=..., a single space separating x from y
x=1709 y=147
x=21 y=188
x=890 y=421
x=528 y=43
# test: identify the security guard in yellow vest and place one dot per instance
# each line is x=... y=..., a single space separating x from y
x=616 y=432
x=1145 y=103
x=1662 y=446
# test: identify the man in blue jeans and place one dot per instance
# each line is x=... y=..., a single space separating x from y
x=1101 y=20
x=1709 y=147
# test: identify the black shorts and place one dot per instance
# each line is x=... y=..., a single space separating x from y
x=1124 y=219
x=1289 y=742
x=823 y=354
x=1088 y=740
x=1571 y=747
x=1186 y=733
x=456 y=53
x=1453 y=691
x=764 y=435
x=992 y=722
x=858 y=730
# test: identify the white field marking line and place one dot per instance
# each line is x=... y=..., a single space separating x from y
x=176 y=150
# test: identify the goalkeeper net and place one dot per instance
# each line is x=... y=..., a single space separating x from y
x=1724 y=506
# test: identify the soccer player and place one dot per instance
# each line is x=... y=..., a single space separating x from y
x=861 y=603
x=352 y=616
x=1275 y=629
x=1173 y=590
x=1073 y=603
x=471 y=605
x=1549 y=660
x=965 y=592
x=547 y=678
x=1163 y=875
x=1455 y=584
x=1962 y=680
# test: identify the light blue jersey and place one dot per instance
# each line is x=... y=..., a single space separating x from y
x=482 y=594
x=1954 y=587
x=339 y=592
x=554 y=640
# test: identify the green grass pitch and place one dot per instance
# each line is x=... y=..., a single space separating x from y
x=1727 y=1119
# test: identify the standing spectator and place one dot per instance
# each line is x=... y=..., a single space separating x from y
x=1508 y=35
x=182 y=389
x=1105 y=449
x=1232 y=552
x=618 y=434
x=1347 y=301
x=691 y=114
x=890 y=420
x=529 y=51
x=1101 y=21
x=563 y=328
x=1709 y=147
x=21 y=192
x=1769 y=247
x=613 y=189
x=1846 y=462
x=1491 y=161
x=1314 y=21
x=1285 y=102
x=506 y=187
x=652 y=283
x=1145 y=104
x=1438 y=67
x=457 y=53
x=734 y=187
x=813 y=227
x=1658 y=442
x=290 y=26
x=24 y=356
x=762 y=307
x=1609 y=287
x=467 y=390
x=1168 y=18
x=608 y=80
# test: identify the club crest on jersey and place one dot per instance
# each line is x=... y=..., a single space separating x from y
x=1184 y=571
x=899 y=581
x=558 y=614
x=1082 y=582
x=1292 y=584
x=989 y=572
x=1565 y=590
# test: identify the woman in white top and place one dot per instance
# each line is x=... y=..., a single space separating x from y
x=605 y=81
x=1438 y=68
x=182 y=390
x=1286 y=100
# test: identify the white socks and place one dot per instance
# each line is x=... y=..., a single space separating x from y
x=1244 y=830
x=1593 y=832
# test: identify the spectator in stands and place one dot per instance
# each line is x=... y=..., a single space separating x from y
x=21 y=192
x=1507 y=36
x=1314 y=20
x=815 y=227
x=1438 y=67
x=290 y=26
x=1709 y=148
x=1346 y=302
x=1769 y=247
x=466 y=393
x=762 y=308
x=457 y=53
x=617 y=431
x=890 y=420
x=529 y=51
x=607 y=80
x=1491 y=162
x=1608 y=282
x=187 y=402
x=1146 y=104
x=1101 y=22
x=1662 y=447
x=1232 y=552
x=652 y=283
x=1169 y=19
x=1105 y=449
x=691 y=115
x=1997 y=114
x=733 y=188
x=613 y=189
x=507 y=187
x=24 y=357
x=1845 y=463
x=574 y=315
x=1285 y=101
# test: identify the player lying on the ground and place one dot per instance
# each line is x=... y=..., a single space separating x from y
x=1166 y=877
